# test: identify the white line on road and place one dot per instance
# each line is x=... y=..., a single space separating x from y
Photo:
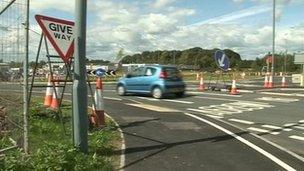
x=147 y=98
x=217 y=117
x=297 y=137
x=258 y=129
x=301 y=121
x=214 y=94
x=299 y=127
x=287 y=129
x=273 y=99
x=272 y=127
x=248 y=143
x=112 y=98
x=283 y=94
x=289 y=124
x=215 y=98
x=241 y=121
x=178 y=101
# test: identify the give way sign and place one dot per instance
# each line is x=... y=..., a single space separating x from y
x=60 y=34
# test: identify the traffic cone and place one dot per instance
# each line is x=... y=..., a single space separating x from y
x=201 y=86
x=270 y=83
x=55 y=99
x=98 y=108
x=266 y=83
x=284 y=84
x=49 y=93
x=234 y=90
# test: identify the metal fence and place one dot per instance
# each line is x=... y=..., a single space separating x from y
x=12 y=51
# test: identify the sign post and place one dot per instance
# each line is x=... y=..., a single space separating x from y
x=80 y=119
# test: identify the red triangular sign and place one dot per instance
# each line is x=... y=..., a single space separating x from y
x=59 y=33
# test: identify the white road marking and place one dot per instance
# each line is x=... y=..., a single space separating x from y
x=301 y=121
x=152 y=107
x=283 y=94
x=246 y=91
x=287 y=129
x=215 y=98
x=212 y=112
x=273 y=99
x=272 y=127
x=214 y=94
x=289 y=124
x=258 y=129
x=241 y=121
x=248 y=143
x=299 y=127
x=297 y=137
x=112 y=98
x=147 y=98
x=178 y=101
x=213 y=116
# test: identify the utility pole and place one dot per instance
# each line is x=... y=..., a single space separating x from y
x=273 y=39
x=25 y=82
x=80 y=119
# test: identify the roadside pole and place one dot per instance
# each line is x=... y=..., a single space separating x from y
x=273 y=39
x=80 y=120
x=25 y=81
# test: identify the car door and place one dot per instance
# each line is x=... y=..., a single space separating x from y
x=132 y=81
x=147 y=80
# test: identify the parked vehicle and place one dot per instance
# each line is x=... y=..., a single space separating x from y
x=157 y=80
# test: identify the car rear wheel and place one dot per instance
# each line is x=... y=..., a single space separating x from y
x=121 y=90
x=157 y=93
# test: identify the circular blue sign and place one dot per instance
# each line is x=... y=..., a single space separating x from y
x=221 y=60
x=100 y=72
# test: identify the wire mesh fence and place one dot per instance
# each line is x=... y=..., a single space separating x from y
x=12 y=52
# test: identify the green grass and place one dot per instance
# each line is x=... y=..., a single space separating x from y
x=52 y=149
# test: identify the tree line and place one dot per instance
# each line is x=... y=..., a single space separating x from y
x=203 y=59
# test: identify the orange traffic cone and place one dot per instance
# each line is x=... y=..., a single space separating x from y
x=49 y=93
x=201 y=86
x=55 y=99
x=234 y=90
x=284 y=84
x=98 y=107
x=270 y=83
x=266 y=83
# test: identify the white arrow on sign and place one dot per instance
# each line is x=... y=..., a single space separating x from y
x=221 y=61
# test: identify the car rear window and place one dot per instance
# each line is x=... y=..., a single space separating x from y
x=172 y=72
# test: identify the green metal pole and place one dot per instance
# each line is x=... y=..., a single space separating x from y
x=80 y=119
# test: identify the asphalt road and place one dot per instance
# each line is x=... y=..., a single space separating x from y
x=257 y=130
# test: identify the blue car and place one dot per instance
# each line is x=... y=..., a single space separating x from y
x=157 y=80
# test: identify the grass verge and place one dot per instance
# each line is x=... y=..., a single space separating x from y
x=51 y=149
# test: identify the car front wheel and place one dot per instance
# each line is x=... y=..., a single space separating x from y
x=157 y=93
x=121 y=90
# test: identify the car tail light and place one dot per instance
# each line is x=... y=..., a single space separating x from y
x=163 y=74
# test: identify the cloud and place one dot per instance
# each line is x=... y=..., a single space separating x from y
x=236 y=15
x=162 y=3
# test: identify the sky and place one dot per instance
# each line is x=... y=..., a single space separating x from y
x=244 y=26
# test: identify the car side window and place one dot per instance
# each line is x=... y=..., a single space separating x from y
x=150 y=71
x=138 y=72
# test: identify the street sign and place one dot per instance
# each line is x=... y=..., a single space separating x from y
x=100 y=72
x=221 y=60
x=59 y=33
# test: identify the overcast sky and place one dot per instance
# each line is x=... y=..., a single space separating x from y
x=244 y=26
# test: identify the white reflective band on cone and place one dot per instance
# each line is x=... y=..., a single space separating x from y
x=98 y=98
